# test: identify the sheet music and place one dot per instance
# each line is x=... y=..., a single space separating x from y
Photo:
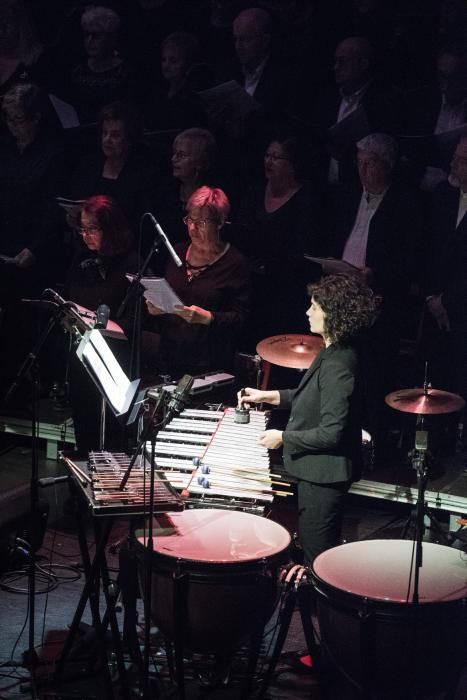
x=334 y=266
x=159 y=292
x=7 y=260
x=229 y=96
x=65 y=112
x=116 y=386
x=71 y=206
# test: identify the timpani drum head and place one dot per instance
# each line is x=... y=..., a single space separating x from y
x=215 y=575
x=385 y=644
x=216 y=536
x=381 y=570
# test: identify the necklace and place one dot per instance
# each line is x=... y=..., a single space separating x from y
x=193 y=271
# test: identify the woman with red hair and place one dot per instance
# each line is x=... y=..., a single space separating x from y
x=98 y=276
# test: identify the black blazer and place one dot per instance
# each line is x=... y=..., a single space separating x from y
x=394 y=237
x=322 y=439
x=447 y=254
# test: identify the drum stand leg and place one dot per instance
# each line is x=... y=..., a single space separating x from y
x=297 y=589
x=96 y=572
x=179 y=616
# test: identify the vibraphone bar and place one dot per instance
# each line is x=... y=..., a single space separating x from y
x=99 y=480
x=217 y=461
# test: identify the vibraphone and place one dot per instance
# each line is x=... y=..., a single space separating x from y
x=99 y=478
x=216 y=462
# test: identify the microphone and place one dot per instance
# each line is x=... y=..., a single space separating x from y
x=55 y=296
x=102 y=316
x=165 y=240
x=180 y=397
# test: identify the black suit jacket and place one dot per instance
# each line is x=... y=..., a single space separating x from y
x=322 y=439
x=394 y=237
x=447 y=258
x=381 y=109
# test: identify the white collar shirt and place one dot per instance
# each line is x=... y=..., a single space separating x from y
x=356 y=244
x=253 y=77
x=348 y=104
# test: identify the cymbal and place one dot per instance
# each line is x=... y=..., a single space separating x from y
x=295 y=351
x=431 y=402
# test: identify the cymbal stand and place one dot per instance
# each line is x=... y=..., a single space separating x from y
x=419 y=463
x=420 y=457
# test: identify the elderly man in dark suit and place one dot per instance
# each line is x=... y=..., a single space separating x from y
x=446 y=278
x=322 y=439
x=375 y=225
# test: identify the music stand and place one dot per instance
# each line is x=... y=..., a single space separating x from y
x=122 y=395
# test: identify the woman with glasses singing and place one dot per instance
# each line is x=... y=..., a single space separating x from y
x=278 y=220
x=214 y=285
x=195 y=162
x=97 y=276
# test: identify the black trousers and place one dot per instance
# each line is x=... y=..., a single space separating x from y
x=320 y=510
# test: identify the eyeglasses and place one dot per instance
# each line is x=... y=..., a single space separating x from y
x=89 y=230
x=199 y=223
x=16 y=120
x=180 y=155
x=274 y=157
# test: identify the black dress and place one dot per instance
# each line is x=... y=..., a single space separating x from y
x=133 y=189
x=94 y=280
x=222 y=288
x=276 y=242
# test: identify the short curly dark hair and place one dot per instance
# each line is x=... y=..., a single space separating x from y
x=348 y=303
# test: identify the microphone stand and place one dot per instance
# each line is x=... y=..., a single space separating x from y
x=132 y=290
x=150 y=429
x=175 y=405
x=30 y=364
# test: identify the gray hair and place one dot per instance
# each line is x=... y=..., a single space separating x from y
x=104 y=17
x=204 y=142
x=258 y=17
x=381 y=145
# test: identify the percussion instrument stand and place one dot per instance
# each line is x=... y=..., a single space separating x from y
x=420 y=459
x=96 y=571
x=420 y=456
x=297 y=583
x=152 y=430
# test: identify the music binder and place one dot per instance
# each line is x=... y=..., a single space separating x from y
x=333 y=266
x=120 y=393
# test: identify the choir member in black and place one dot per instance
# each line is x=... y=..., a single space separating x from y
x=194 y=162
x=176 y=104
x=446 y=298
x=213 y=284
x=278 y=223
x=97 y=276
x=122 y=169
x=31 y=168
x=104 y=76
